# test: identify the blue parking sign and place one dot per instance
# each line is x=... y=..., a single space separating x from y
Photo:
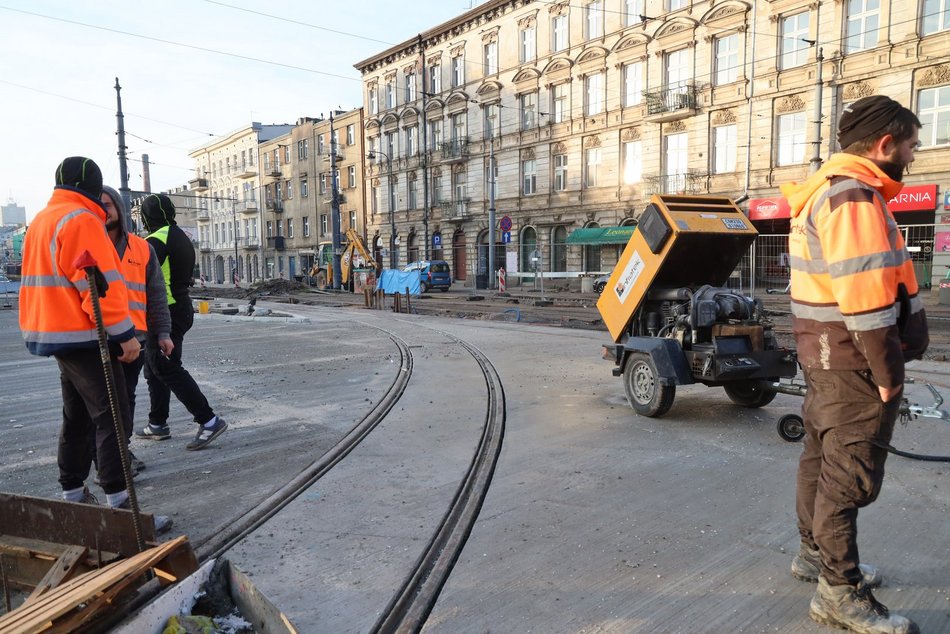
x=437 y=240
x=506 y=237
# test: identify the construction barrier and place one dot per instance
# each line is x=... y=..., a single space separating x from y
x=501 y=280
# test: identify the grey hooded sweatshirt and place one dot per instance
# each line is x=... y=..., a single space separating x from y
x=157 y=318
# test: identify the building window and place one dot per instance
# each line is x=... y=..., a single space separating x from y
x=351 y=176
x=393 y=183
x=391 y=145
x=560 y=172
x=300 y=154
x=323 y=183
x=727 y=59
x=528 y=49
x=290 y=190
x=675 y=5
x=794 y=34
x=592 y=167
x=529 y=110
x=460 y=179
x=306 y=226
x=412 y=137
x=632 y=12
x=529 y=177
x=279 y=190
x=936 y=16
x=594 y=85
x=321 y=148
x=594 y=19
x=491 y=58
x=678 y=70
x=410 y=90
x=933 y=110
x=436 y=187
x=324 y=224
x=791 y=139
x=290 y=227
x=676 y=159
x=435 y=79
x=559 y=33
x=391 y=93
x=724 y=149
x=458 y=71
x=352 y=220
x=374 y=199
x=350 y=134
x=287 y=155
x=458 y=126
x=304 y=188
x=632 y=162
x=413 y=195
x=632 y=83
x=435 y=133
x=863 y=17
x=559 y=103
x=491 y=120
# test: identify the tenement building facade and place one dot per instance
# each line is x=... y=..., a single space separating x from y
x=570 y=115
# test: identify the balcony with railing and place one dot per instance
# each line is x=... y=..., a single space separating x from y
x=198 y=184
x=246 y=206
x=328 y=197
x=276 y=206
x=454 y=150
x=273 y=171
x=276 y=243
x=245 y=170
x=251 y=242
x=206 y=246
x=671 y=102
x=203 y=215
x=455 y=208
x=689 y=182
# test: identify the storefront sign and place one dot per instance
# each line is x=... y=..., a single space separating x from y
x=769 y=208
x=914 y=198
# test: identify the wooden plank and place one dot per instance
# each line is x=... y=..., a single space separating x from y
x=73 y=524
x=68 y=564
x=95 y=589
x=255 y=607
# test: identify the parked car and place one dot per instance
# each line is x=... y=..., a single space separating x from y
x=432 y=274
x=600 y=283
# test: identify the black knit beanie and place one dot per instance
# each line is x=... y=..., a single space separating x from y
x=81 y=173
x=865 y=117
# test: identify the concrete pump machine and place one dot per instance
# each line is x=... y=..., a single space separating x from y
x=672 y=318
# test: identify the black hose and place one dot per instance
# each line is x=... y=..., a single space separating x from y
x=912 y=456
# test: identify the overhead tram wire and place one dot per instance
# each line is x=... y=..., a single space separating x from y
x=184 y=45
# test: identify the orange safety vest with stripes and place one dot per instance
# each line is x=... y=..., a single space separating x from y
x=134 y=264
x=849 y=267
x=56 y=312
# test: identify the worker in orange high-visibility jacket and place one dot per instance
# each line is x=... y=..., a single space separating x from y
x=57 y=319
x=857 y=317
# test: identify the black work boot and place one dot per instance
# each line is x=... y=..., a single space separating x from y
x=806 y=566
x=855 y=608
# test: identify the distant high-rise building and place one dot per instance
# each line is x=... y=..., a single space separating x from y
x=12 y=214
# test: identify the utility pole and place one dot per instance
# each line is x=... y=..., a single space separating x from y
x=425 y=147
x=491 y=208
x=123 y=167
x=815 y=161
x=334 y=210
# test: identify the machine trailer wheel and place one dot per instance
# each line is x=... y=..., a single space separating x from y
x=749 y=393
x=646 y=395
x=791 y=428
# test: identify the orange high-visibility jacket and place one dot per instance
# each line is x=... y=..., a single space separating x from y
x=848 y=261
x=133 y=265
x=56 y=312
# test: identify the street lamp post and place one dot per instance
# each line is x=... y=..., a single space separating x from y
x=234 y=222
x=392 y=213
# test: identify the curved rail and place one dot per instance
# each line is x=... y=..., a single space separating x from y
x=233 y=532
x=412 y=604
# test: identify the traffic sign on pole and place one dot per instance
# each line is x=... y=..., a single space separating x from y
x=505 y=223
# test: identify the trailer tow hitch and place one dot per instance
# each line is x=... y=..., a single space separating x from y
x=792 y=429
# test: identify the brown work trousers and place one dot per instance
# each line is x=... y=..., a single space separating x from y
x=841 y=468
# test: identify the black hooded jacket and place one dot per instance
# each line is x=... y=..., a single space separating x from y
x=176 y=254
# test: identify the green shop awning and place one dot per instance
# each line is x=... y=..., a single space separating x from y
x=602 y=235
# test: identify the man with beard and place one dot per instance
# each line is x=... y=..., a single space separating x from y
x=857 y=318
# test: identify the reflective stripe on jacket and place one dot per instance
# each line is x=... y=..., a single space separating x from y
x=56 y=312
x=162 y=236
x=848 y=261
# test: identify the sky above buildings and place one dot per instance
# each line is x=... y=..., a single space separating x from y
x=190 y=70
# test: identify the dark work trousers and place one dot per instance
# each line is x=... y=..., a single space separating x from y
x=166 y=375
x=86 y=410
x=131 y=372
x=841 y=469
